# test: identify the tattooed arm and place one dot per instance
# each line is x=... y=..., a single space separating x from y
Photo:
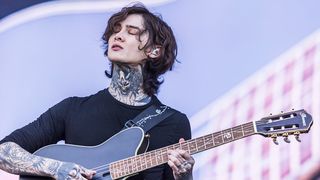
x=16 y=160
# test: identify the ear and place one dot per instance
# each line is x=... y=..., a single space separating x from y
x=154 y=52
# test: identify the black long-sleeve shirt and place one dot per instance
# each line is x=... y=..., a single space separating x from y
x=92 y=120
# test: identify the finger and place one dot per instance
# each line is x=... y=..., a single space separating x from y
x=186 y=156
x=174 y=168
x=87 y=172
x=187 y=165
x=177 y=153
x=73 y=173
x=177 y=162
x=79 y=177
x=176 y=158
x=82 y=178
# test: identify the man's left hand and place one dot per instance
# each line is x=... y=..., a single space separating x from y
x=181 y=163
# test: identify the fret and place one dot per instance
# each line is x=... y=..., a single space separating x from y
x=218 y=140
x=126 y=166
x=231 y=131
x=242 y=130
x=164 y=153
x=130 y=167
x=158 y=157
x=144 y=162
x=138 y=163
x=192 y=146
x=200 y=144
x=189 y=151
x=112 y=170
x=248 y=129
x=221 y=135
x=208 y=140
x=195 y=141
x=237 y=132
x=118 y=169
x=213 y=141
x=135 y=164
x=123 y=168
x=153 y=158
x=148 y=160
x=185 y=147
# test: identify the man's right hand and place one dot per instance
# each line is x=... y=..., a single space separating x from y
x=73 y=171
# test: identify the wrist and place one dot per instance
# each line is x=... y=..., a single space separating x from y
x=53 y=168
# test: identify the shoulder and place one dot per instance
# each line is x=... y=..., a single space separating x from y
x=178 y=119
x=75 y=102
x=82 y=99
x=179 y=116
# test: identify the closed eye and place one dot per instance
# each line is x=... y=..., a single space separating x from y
x=133 y=31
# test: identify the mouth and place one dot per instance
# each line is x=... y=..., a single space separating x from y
x=116 y=47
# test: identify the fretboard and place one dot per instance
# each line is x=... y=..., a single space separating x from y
x=157 y=157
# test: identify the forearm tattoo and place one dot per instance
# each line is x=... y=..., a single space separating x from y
x=16 y=160
x=126 y=85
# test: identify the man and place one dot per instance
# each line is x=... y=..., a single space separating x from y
x=141 y=47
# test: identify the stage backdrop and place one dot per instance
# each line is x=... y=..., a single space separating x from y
x=291 y=81
x=53 y=50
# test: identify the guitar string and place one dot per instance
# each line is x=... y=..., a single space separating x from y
x=105 y=168
x=125 y=171
x=246 y=130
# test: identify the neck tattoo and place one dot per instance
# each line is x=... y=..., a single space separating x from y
x=126 y=85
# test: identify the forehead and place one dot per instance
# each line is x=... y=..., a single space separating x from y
x=133 y=20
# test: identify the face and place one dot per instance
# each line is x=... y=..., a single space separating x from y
x=124 y=45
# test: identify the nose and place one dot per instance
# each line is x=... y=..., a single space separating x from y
x=119 y=36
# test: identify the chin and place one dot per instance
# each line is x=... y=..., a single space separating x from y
x=113 y=58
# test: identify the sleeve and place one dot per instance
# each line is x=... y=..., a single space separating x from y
x=47 y=129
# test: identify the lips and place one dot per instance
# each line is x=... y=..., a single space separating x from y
x=116 y=47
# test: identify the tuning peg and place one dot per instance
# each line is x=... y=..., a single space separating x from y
x=275 y=141
x=296 y=135
x=274 y=138
x=286 y=139
x=281 y=112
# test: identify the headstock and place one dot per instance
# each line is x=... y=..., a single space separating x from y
x=284 y=124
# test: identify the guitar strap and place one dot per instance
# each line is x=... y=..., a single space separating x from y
x=150 y=117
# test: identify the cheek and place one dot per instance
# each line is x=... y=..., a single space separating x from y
x=144 y=40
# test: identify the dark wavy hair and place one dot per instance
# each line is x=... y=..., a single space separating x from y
x=160 y=34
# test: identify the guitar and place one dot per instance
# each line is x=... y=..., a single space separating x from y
x=119 y=158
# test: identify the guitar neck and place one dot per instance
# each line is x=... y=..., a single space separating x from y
x=157 y=157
